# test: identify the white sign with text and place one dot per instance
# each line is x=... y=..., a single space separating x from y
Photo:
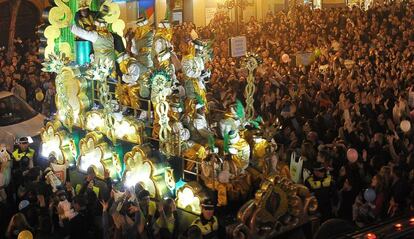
x=238 y=46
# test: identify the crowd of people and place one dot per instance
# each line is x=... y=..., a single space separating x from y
x=22 y=75
x=346 y=114
x=341 y=119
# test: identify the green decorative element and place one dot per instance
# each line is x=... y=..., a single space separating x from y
x=119 y=149
x=211 y=142
x=226 y=143
x=239 y=109
x=95 y=5
x=66 y=34
x=256 y=122
x=199 y=99
x=159 y=73
x=55 y=63
x=182 y=105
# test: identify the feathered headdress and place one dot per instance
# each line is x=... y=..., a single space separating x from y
x=239 y=108
x=256 y=122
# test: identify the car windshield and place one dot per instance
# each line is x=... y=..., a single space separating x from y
x=13 y=110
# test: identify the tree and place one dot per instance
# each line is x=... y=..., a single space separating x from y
x=14 y=10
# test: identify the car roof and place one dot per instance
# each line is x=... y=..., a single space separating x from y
x=4 y=94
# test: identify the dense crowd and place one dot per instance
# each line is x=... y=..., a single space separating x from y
x=22 y=75
x=347 y=114
x=344 y=116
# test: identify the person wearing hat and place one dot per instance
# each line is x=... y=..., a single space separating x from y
x=322 y=187
x=23 y=158
x=84 y=17
x=194 y=71
x=239 y=150
x=207 y=222
x=102 y=40
x=177 y=126
x=197 y=123
x=141 y=45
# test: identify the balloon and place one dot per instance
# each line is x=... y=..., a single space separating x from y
x=25 y=235
x=369 y=195
x=352 y=155
x=39 y=96
x=405 y=126
x=285 y=58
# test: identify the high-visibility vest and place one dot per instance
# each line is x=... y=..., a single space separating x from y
x=208 y=228
x=169 y=221
x=326 y=182
x=152 y=207
x=19 y=155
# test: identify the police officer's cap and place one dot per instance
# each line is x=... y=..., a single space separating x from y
x=208 y=204
x=318 y=166
x=23 y=140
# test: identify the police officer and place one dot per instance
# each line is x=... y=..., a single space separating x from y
x=23 y=157
x=322 y=186
x=207 y=222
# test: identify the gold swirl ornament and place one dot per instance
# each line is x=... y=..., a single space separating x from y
x=61 y=15
x=55 y=141
x=139 y=169
x=72 y=96
x=251 y=64
x=96 y=153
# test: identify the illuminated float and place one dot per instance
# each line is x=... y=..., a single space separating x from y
x=123 y=112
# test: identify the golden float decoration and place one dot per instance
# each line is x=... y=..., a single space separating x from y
x=279 y=205
x=55 y=141
x=96 y=153
x=71 y=98
x=127 y=95
x=190 y=196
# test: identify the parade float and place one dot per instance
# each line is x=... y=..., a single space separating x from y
x=122 y=110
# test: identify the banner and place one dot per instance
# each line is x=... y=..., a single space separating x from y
x=147 y=9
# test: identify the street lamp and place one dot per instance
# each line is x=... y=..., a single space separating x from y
x=236 y=4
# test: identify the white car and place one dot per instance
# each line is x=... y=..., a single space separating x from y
x=17 y=119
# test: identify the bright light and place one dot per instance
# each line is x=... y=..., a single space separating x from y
x=370 y=236
x=61 y=116
x=95 y=121
x=186 y=198
x=91 y=158
x=412 y=221
x=133 y=177
x=123 y=128
x=49 y=147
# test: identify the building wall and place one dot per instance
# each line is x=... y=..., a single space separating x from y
x=27 y=19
